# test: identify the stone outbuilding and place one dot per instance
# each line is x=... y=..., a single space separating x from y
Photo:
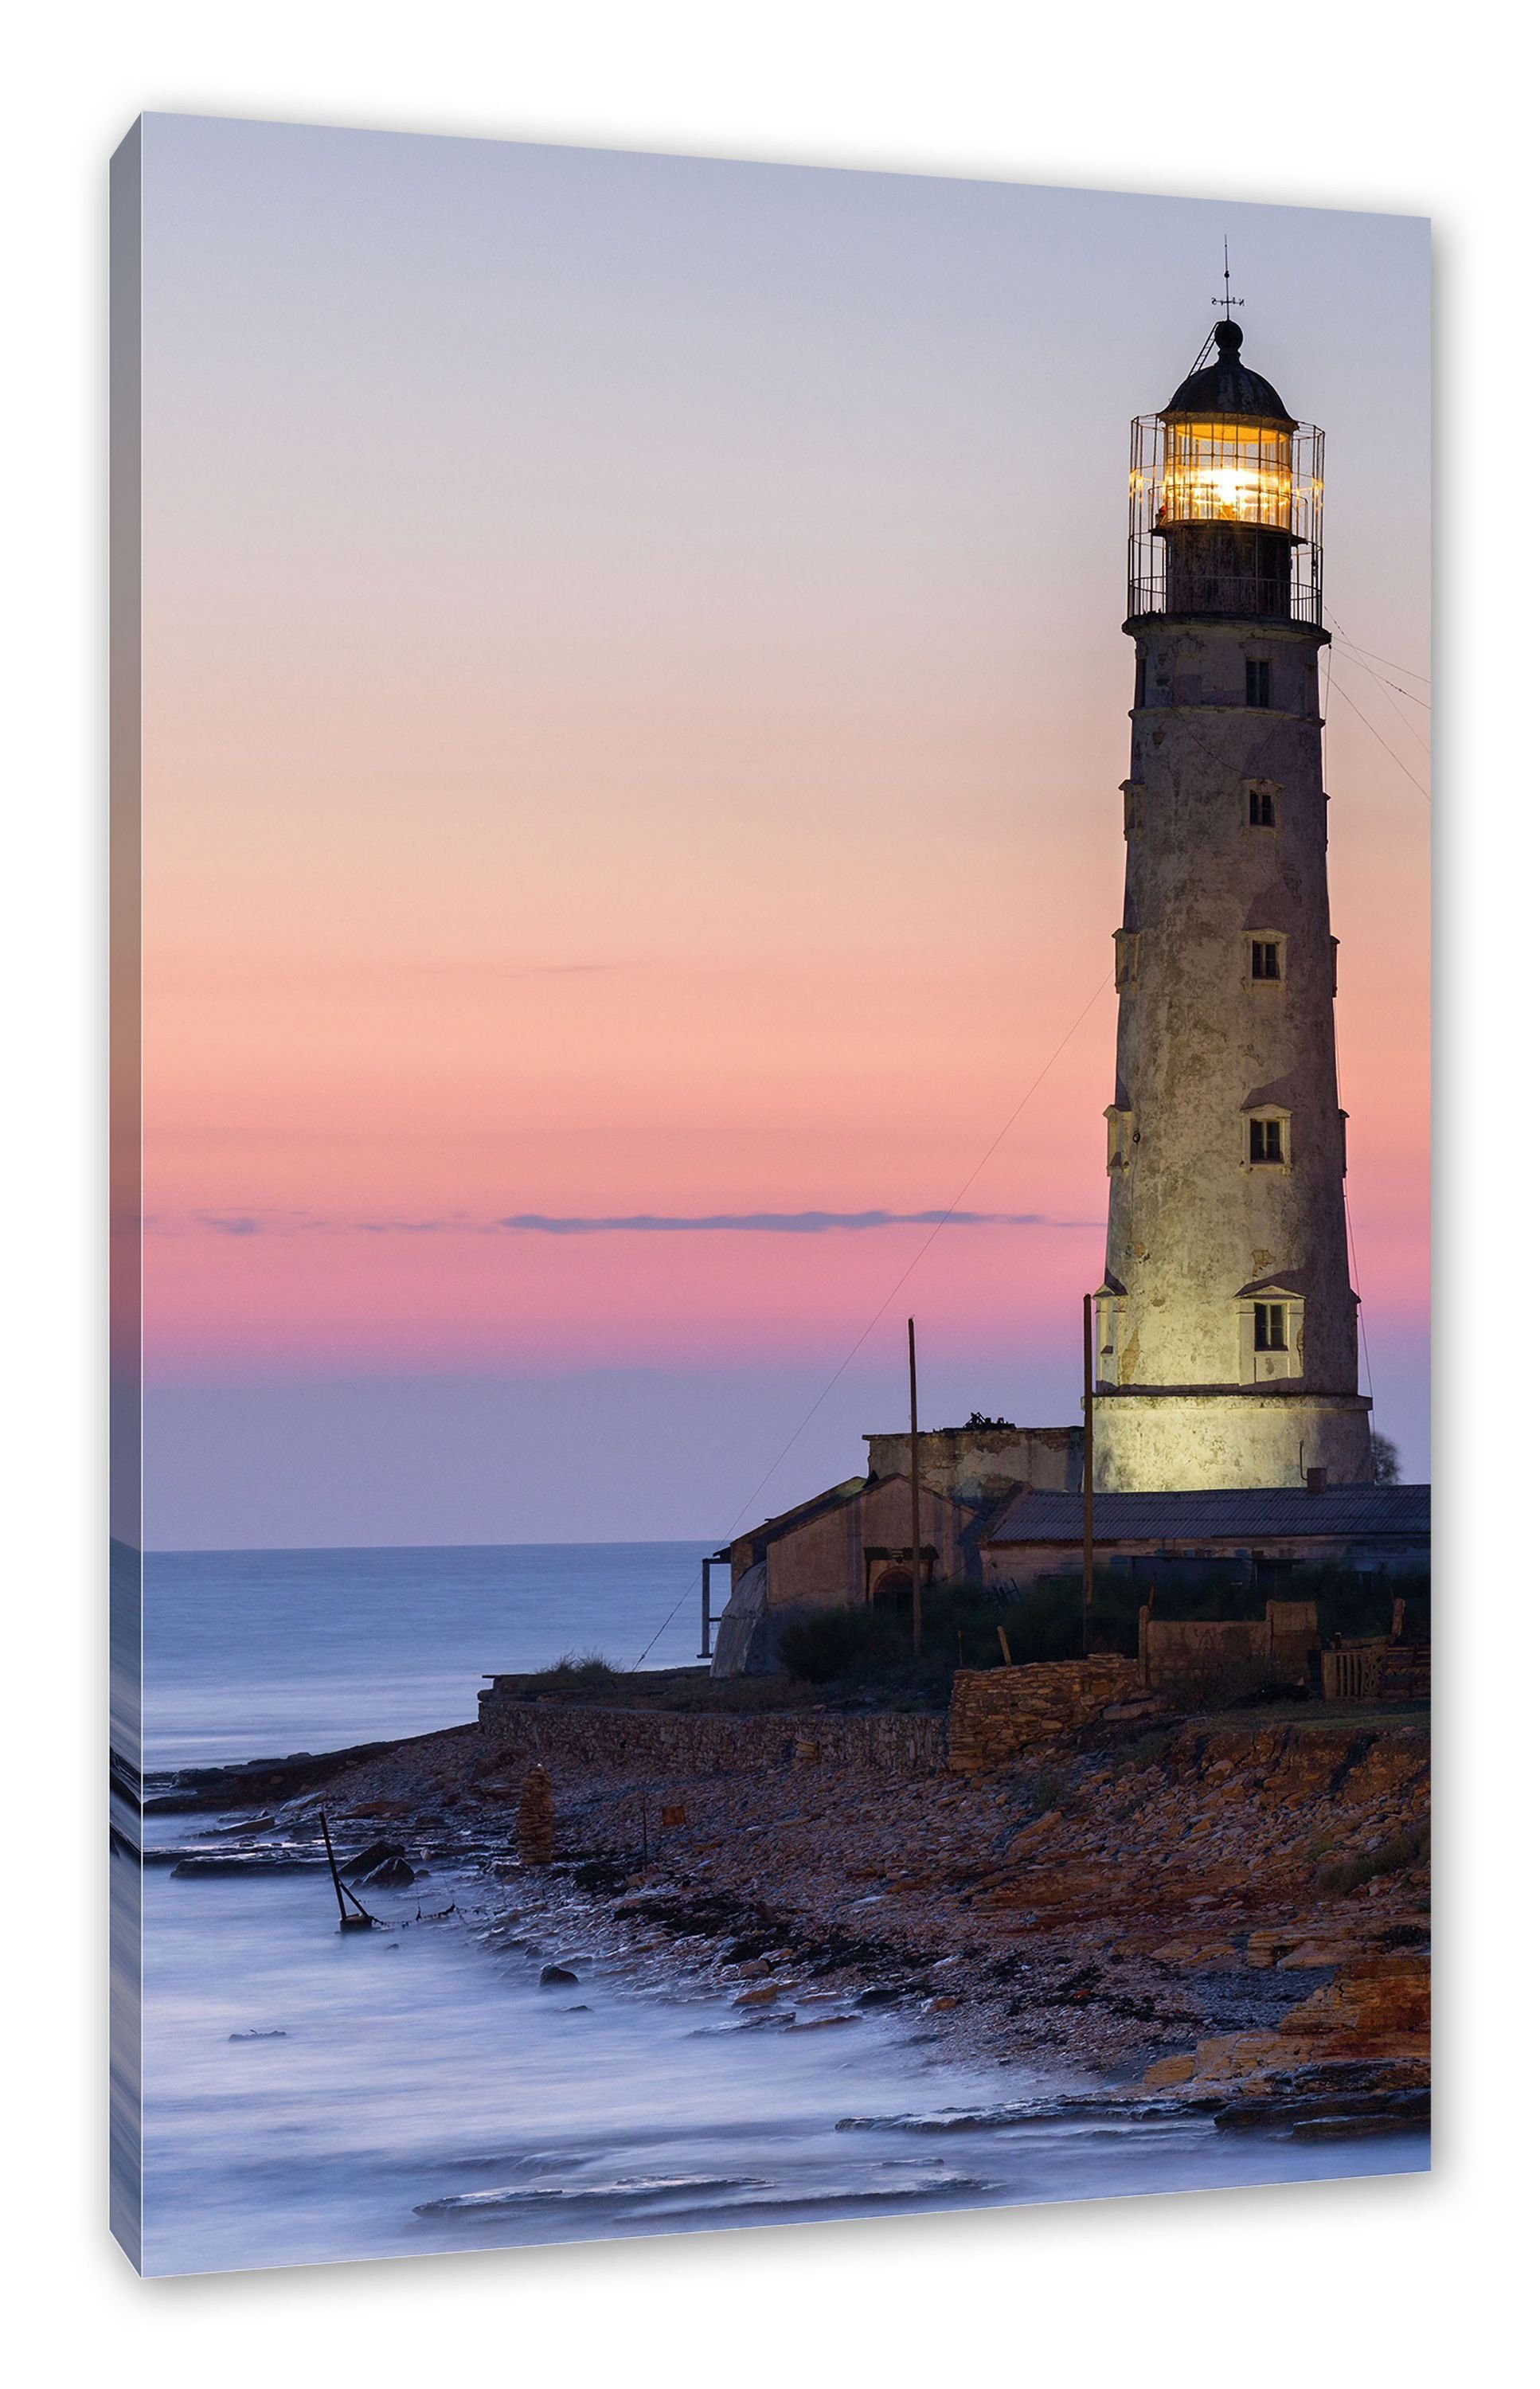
x=847 y=1548
x=985 y=1461
x=1263 y=1532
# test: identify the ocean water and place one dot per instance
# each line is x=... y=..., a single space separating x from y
x=251 y=1655
x=415 y=2088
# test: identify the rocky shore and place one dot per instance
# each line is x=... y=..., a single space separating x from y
x=1222 y=1911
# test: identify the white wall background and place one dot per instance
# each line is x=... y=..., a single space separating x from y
x=1354 y=106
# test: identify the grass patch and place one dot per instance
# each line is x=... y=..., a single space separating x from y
x=581 y=1670
x=1395 y=1853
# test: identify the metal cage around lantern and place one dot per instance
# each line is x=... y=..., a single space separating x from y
x=1252 y=481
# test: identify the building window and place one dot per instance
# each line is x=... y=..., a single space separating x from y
x=1271 y=1320
x=1266 y=1141
x=1122 y=1137
x=1141 y=674
x=1269 y=1327
x=1116 y=1351
x=1125 y=957
x=1259 y=681
x=1133 y=808
x=1262 y=810
x=1266 y=958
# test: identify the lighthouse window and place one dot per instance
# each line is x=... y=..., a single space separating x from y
x=1124 y=956
x=1265 y=958
x=1259 y=681
x=1269 y=1327
x=1139 y=669
x=1261 y=812
x=1267 y=1139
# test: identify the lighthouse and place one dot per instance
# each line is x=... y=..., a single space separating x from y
x=1225 y=1331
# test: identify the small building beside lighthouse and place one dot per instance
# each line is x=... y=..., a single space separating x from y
x=1227 y=1332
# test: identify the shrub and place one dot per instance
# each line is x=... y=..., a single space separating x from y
x=1395 y=1852
x=871 y=1650
x=582 y=1667
x=827 y=1642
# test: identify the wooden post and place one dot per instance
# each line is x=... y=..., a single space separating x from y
x=331 y=1861
x=705 y=1609
x=357 y=1919
x=1087 y=1576
x=914 y=1487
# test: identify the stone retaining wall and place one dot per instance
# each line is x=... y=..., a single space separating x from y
x=683 y=1745
x=1206 y=1658
x=998 y=1714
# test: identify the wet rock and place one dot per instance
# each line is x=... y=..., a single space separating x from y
x=391 y=1875
x=558 y=1977
x=1330 y=2114
x=373 y=1854
x=244 y=1862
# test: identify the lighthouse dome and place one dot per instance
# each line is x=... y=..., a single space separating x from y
x=1227 y=386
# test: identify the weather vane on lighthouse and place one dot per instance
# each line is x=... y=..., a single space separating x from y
x=1227 y=302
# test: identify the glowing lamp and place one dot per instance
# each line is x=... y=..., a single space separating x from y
x=1224 y=495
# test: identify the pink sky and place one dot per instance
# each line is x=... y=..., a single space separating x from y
x=635 y=706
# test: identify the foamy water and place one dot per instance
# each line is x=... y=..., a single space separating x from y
x=415 y=2089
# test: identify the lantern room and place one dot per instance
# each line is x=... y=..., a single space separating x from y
x=1225 y=499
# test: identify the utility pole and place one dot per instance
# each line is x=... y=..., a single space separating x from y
x=1088 y=1497
x=915 y=1487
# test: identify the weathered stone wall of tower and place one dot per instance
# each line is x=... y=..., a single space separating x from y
x=1227 y=839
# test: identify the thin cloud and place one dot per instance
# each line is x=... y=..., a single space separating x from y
x=773 y=1224
x=628 y=1223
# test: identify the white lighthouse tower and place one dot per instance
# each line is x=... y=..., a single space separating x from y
x=1226 y=1329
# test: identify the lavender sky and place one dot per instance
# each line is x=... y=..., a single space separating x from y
x=634 y=711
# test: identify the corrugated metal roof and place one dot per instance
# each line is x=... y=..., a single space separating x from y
x=1340 y=1510
x=799 y=1514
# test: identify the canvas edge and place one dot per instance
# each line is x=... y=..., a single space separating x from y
x=126 y=1561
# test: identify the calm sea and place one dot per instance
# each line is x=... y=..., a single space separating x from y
x=252 y=1654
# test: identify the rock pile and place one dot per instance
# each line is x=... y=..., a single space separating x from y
x=1242 y=1902
x=1002 y=1714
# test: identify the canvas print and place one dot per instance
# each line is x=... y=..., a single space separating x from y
x=771 y=1458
